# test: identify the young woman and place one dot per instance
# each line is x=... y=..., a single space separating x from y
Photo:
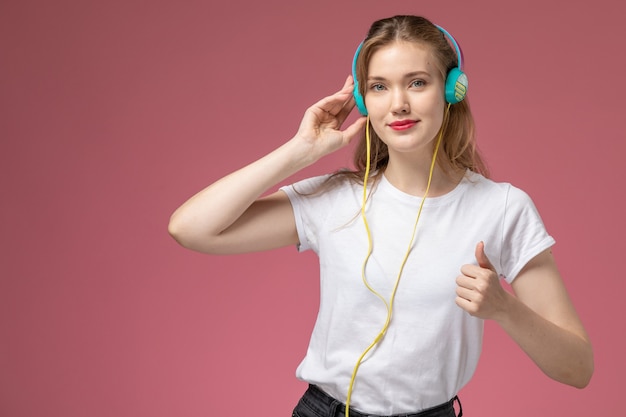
x=412 y=243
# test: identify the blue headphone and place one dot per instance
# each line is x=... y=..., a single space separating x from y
x=456 y=80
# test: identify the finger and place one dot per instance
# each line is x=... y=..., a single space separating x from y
x=470 y=270
x=349 y=83
x=481 y=257
x=472 y=285
x=464 y=293
x=333 y=104
x=354 y=129
x=465 y=304
x=345 y=100
x=345 y=110
x=465 y=280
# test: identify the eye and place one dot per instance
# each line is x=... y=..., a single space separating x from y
x=377 y=87
x=418 y=83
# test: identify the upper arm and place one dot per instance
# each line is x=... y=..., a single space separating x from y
x=269 y=223
x=539 y=285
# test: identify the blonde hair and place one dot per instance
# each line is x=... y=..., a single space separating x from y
x=458 y=149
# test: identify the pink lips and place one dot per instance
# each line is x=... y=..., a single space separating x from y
x=402 y=124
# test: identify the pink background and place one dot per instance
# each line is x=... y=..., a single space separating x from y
x=113 y=113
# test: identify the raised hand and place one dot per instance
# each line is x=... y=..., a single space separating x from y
x=479 y=291
x=321 y=124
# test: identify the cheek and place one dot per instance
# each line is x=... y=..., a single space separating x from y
x=374 y=105
x=438 y=114
x=377 y=110
x=436 y=108
x=377 y=127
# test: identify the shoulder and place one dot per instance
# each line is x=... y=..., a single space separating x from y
x=323 y=190
x=326 y=184
x=488 y=188
x=307 y=185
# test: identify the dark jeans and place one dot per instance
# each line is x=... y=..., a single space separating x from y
x=316 y=403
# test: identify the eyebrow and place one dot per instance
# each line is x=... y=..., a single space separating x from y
x=407 y=75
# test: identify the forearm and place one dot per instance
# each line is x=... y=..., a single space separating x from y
x=563 y=355
x=215 y=208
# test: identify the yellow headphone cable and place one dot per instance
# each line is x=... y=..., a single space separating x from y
x=388 y=304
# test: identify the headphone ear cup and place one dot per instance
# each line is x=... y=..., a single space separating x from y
x=456 y=86
x=358 y=99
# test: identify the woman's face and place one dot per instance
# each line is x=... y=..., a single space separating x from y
x=404 y=97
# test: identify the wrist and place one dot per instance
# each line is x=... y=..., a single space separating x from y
x=300 y=152
x=507 y=311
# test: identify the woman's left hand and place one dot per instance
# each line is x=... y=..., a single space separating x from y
x=479 y=291
x=538 y=315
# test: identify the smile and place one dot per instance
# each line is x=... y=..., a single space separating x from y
x=402 y=124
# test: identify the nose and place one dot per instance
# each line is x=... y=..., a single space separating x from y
x=399 y=102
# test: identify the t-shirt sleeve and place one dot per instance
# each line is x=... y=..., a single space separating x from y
x=524 y=233
x=307 y=202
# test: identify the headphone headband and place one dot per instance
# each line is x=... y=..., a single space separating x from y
x=459 y=54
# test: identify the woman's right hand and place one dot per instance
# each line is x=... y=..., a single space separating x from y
x=321 y=124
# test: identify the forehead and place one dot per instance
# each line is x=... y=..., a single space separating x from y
x=401 y=57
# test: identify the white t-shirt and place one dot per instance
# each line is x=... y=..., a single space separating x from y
x=432 y=346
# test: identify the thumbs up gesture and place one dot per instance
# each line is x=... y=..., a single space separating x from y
x=479 y=291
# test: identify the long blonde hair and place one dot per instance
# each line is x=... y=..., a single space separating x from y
x=458 y=149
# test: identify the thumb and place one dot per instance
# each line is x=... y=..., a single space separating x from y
x=481 y=257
